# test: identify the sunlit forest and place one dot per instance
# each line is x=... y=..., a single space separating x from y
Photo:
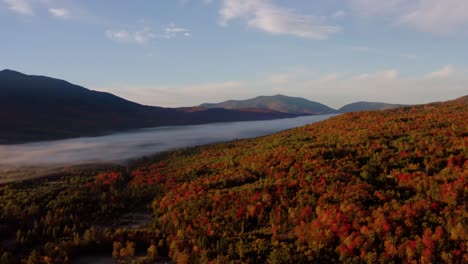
x=369 y=187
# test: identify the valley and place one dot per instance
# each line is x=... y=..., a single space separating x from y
x=39 y=159
x=370 y=186
x=234 y=132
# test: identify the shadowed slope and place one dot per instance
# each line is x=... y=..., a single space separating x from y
x=41 y=108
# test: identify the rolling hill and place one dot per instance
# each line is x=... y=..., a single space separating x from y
x=280 y=103
x=367 y=106
x=297 y=105
x=36 y=108
x=367 y=187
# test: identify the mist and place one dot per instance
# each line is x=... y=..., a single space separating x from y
x=117 y=148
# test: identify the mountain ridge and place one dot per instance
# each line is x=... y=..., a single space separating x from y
x=298 y=105
x=278 y=102
x=35 y=108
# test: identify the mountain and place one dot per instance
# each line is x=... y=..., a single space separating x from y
x=280 y=103
x=42 y=108
x=365 y=187
x=367 y=106
x=297 y=105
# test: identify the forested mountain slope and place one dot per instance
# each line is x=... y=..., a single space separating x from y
x=368 y=187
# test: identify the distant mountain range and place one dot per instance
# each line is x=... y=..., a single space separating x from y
x=297 y=105
x=34 y=108
x=280 y=103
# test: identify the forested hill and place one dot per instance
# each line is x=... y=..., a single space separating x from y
x=368 y=187
x=367 y=106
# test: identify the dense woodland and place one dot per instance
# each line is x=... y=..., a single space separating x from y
x=369 y=187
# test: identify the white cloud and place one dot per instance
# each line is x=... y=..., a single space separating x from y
x=173 y=31
x=62 y=13
x=137 y=37
x=276 y=20
x=445 y=72
x=120 y=35
x=147 y=34
x=22 y=7
x=435 y=16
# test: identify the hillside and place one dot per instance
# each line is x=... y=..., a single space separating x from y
x=367 y=106
x=368 y=187
x=280 y=103
x=41 y=108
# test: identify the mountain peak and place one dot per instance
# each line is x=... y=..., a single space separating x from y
x=278 y=103
x=9 y=72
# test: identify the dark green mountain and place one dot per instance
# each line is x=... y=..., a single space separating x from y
x=280 y=103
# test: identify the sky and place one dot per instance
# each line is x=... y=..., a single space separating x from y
x=187 y=52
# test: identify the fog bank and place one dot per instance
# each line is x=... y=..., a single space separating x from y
x=130 y=145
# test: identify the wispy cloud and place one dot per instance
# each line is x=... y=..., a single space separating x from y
x=54 y=8
x=173 y=31
x=139 y=37
x=22 y=7
x=62 y=13
x=445 y=72
x=437 y=16
x=434 y=16
x=268 y=17
x=147 y=33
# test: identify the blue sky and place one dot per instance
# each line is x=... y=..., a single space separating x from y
x=186 y=52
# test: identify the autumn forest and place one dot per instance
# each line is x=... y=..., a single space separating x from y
x=369 y=187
